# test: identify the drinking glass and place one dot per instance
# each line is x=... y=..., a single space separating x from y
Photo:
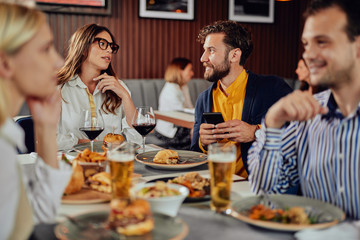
x=144 y=121
x=92 y=124
x=222 y=158
x=121 y=161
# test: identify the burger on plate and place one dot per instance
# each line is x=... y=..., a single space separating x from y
x=100 y=182
x=113 y=138
x=131 y=218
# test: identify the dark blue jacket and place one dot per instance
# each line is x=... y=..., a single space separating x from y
x=261 y=93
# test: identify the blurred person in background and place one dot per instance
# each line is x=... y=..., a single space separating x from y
x=28 y=66
x=303 y=74
x=88 y=79
x=175 y=96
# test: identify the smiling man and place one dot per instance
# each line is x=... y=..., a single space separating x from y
x=241 y=96
x=320 y=147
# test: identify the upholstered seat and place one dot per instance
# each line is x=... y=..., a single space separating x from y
x=147 y=91
x=27 y=124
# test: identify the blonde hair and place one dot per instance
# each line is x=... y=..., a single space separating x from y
x=18 y=24
x=173 y=71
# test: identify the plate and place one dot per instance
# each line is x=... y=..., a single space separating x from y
x=285 y=201
x=188 y=159
x=187 y=199
x=82 y=146
x=165 y=228
x=86 y=196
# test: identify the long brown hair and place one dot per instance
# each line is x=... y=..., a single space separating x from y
x=80 y=43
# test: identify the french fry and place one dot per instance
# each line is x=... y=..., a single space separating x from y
x=88 y=156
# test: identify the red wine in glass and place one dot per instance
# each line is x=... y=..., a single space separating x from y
x=92 y=124
x=92 y=132
x=144 y=129
x=144 y=121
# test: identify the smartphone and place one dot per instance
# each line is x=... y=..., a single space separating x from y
x=213 y=117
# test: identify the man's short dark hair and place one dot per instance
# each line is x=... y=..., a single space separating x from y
x=236 y=36
x=350 y=7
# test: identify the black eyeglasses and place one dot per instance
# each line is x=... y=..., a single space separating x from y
x=104 y=44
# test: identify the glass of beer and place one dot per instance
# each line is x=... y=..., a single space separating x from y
x=121 y=162
x=222 y=158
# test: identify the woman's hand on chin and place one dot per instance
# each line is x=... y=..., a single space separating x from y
x=45 y=111
x=107 y=82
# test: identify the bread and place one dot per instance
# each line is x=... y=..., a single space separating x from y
x=131 y=218
x=166 y=156
x=100 y=182
x=113 y=138
x=77 y=179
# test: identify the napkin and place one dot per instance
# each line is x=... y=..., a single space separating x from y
x=346 y=230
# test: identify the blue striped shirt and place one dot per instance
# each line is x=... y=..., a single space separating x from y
x=322 y=154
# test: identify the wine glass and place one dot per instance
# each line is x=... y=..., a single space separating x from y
x=92 y=124
x=144 y=121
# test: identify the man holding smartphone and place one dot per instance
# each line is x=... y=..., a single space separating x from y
x=241 y=96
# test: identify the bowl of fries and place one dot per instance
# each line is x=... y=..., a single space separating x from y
x=91 y=162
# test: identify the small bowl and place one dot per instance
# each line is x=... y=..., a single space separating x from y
x=165 y=205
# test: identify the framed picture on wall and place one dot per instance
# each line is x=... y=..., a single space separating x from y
x=98 y=7
x=258 y=11
x=165 y=9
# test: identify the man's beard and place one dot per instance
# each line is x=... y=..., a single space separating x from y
x=218 y=72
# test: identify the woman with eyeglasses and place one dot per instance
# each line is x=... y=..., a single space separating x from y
x=88 y=79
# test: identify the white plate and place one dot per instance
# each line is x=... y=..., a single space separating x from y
x=188 y=159
x=241 y=207
x=165 y=228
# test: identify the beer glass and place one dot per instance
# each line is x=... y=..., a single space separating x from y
x=121 y=162
x=222 y=158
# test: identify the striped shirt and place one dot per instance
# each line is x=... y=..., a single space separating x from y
x=322 y=154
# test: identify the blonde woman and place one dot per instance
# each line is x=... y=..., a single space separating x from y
x=28 y=63
x=88 y=79
x=175 y=96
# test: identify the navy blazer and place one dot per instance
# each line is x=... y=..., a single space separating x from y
x=261 y=93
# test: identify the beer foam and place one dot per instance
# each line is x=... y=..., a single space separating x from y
x=222 y=157
x=117 y=157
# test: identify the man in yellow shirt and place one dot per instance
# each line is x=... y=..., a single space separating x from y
x=241 y=96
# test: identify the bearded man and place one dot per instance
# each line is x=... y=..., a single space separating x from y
x=241 y=96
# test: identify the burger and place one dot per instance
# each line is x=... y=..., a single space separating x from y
x=100 y=182
x=166 y=156
x=113 y=138
x=131 y=217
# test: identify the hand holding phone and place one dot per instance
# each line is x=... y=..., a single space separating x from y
x=213 y=117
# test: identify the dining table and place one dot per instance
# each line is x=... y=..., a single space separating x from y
x=179 y=118
x=202 y=222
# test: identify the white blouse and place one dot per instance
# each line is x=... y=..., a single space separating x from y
x=44 y=188
x=187 y=97
x=171 y=99
x=76 y=99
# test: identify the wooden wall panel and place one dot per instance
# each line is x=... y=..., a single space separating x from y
x=148 y=45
